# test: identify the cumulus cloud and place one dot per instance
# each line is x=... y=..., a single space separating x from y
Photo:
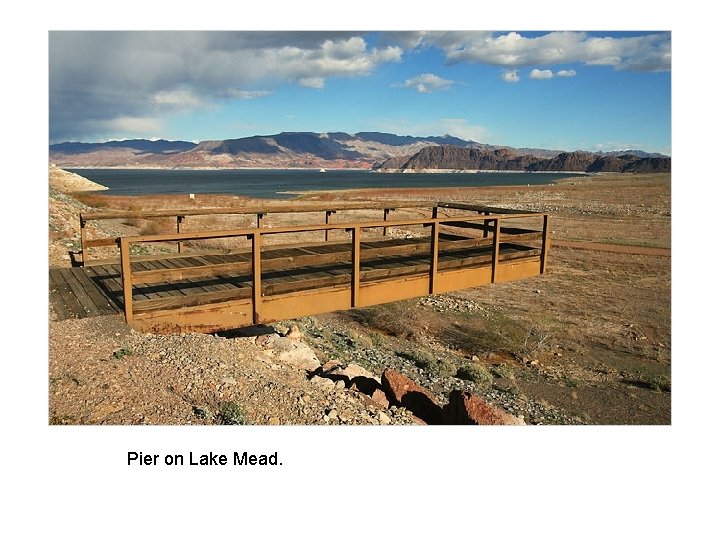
x=510 y=75
x=639 y=53
x=312 y=82
x=457 y=127
x=566 y=73
x=99 y=77
x=427 y=83
x=541 y=74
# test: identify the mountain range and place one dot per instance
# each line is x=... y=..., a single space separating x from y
x=379 y=151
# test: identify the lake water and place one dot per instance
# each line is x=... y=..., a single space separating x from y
x=285 y=184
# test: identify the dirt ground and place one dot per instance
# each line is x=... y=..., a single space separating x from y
x=589 y=342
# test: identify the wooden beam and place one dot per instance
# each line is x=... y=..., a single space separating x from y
x=545 y=243
x=355 y=295
x=434 y=254
x=496 y=248
x=83 y=255
x=257 y=277
x=126 y=274
x=179 y=220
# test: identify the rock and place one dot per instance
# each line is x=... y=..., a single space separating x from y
x=332 y=415
x=262 y=341
x=340 y=385
x=379 y=397
x=322 y=382
x=274 y=421
x=353 y=370
x=294 y=333
x=383 y=418
x=295 y=353
x=405 y=392
x=329 y=366
x=468 y=409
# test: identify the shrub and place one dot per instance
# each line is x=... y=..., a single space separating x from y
x=428 y=362
x=231 y=413
x=476 y=373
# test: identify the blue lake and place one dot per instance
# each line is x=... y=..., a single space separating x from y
x=287 y=183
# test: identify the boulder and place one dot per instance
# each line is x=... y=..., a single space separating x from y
x=403 y=391
x=465 y=408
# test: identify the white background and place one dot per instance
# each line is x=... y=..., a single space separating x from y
x=429 y=482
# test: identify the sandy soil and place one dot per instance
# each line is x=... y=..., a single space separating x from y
x=588 y=342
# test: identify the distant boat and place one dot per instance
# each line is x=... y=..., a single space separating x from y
x=323 y=170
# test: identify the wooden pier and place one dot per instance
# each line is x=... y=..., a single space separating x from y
x=468 y=246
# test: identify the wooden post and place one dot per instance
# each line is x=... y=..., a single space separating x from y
x=355 y=296
x=328 y=213
x=545 y=243
x=260 y=217
x=82 y=241
x=126 y=279
x=486 y=223
x=180 y=243
x=386 y=212
x=496 y=248
x=434 y=250
x=256 y=277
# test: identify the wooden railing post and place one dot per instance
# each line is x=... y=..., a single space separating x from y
x=386 y=213
x=82 y=240
x=328 y=213
x=126 y=272
x=496 y=248
x=355 y=295
x=434 y=253
x=486 y=223
x=256 y=277
x=180 y=243
x=545 y=243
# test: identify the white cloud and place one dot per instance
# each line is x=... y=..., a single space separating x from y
x=457 y=127
x=639 y=53
x=510 y=75
x=541 y=74
x=312 y=82
x=427 y=83
x=234 y=93
x=566 y=73
x=96 y=77
x=178 y=98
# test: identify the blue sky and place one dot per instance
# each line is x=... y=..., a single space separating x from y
x=563 y=90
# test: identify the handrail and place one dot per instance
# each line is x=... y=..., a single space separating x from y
x=259 y=211
x=255 y=235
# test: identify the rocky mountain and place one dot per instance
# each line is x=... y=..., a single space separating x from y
x=453 y=158
x=381 y=151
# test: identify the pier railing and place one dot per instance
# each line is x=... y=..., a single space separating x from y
x=489 y=221
x=181 y=216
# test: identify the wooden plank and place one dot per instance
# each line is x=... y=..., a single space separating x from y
x=264 y=209
x=83 y=298
x=98 y=242
x=483 y=208
x=65 y=297
x=102 y=301
x=179 y=302
x=107 y=280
